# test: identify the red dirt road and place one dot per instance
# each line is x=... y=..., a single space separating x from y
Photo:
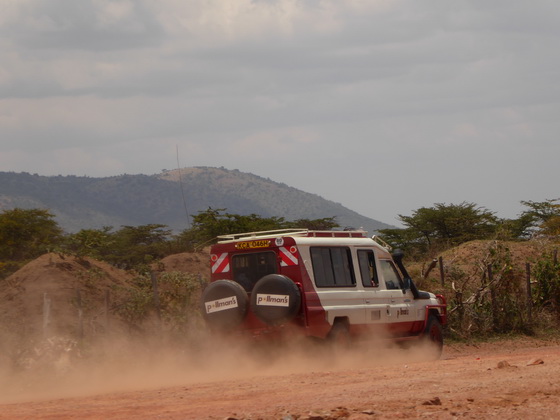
x=502 y=380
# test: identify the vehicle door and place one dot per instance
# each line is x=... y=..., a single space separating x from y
x=400 y=316
x=376 y=299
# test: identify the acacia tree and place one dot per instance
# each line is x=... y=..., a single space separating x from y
x=27 y=233
x=209 y=224
x=24 y=235
x=442 y=226
x=541 y=217
x=326 y=223
x=137 y=246
x=131 y=247
x=96 y=243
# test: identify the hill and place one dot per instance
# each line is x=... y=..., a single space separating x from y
x=85 y=202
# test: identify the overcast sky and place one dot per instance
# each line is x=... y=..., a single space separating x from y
x=382 y=106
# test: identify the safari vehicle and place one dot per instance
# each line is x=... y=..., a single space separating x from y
x=332 y=285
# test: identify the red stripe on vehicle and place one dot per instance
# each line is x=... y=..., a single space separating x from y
x=288 y=258
x=221 y=265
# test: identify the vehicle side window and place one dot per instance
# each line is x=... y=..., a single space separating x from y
x=368 y=271
x=332 y=267
x=249 y=268
x=390 y=274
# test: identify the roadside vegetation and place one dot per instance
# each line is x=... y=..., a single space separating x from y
x=489 y=295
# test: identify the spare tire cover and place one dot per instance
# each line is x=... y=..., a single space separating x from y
x=224 y=304
x=275 y=299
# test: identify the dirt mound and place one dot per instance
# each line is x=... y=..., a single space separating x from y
x=60 y=295
x=470 y=260
x=59 y=309
x=197 y=263
x=477 y=252
x=71 y=296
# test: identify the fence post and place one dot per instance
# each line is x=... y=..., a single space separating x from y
x=529 y=293
x=107 y=302
x=441 y=272
x=156 y=296
x=430 y=268
x=492 y=296
x=46 y=314
x=80 y=315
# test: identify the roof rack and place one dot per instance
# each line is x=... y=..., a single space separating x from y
x=381 y=242
x=263 y=233
x=293 y=232
x=337 y=234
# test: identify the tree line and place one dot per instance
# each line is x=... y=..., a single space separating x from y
x=431 y=230
x=478 y=304
x=26 y=234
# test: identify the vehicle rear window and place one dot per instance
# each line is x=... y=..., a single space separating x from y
x=332 y=267
x=250 y=268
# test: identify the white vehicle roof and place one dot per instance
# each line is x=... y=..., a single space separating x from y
x=312 y=237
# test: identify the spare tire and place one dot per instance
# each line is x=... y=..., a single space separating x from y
x=224 y=304
x=275 y=299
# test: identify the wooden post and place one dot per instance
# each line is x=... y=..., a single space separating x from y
x=529 y=293
x=80 y=315
x=441 y=272
x=156 y=295
x=555 y=256
x=460 y=307
x=107 y=303
x=492 y=296
x=46 y=314
x=430 y=267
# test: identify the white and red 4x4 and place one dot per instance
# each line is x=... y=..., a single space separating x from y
x=324 y=284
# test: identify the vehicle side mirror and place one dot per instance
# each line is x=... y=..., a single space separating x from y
x=407 y=284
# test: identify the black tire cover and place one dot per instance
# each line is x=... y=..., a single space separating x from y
x=224 y=304
x=275 y=299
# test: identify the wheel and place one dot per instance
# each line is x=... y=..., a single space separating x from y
x=433 y=335
x=224 y=304
x=339 y=336
x=275 y=299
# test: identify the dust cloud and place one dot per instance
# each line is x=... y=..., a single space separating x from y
x=62 y=368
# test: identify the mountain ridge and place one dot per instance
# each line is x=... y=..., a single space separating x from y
x=82 y=202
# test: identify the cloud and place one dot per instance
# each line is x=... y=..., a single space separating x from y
x=89 y=25
x=395 y=98
x=288 y=141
